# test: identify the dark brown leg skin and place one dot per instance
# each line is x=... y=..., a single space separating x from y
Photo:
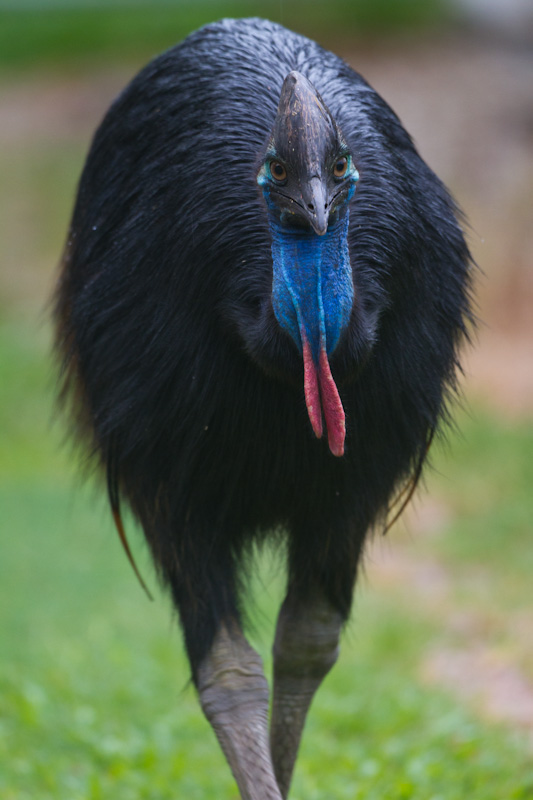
x=305 y=649
x=234 y=696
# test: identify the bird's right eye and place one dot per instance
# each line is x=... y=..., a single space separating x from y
x=278 y=171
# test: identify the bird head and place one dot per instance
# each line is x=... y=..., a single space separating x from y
x=308 y=176
x=308 y=170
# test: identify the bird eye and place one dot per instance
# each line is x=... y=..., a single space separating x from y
x=278 y=171
x=341 y=165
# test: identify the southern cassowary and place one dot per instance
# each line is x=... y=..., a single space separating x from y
x=261 y=302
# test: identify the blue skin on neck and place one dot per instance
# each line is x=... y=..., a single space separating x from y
x=312 y=286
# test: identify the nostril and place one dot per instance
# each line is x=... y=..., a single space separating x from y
x=310 y=206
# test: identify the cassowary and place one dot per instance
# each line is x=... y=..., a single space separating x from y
x=261 y=302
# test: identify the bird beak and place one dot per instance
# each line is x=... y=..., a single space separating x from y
x=315 y=197
x=304 y=135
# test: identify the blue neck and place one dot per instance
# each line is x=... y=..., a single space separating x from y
x=312 y=288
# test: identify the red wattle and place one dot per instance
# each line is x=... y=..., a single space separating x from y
x=312 y=396
x=332 y=406
x=322 y=395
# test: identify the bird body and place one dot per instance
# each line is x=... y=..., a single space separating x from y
x=212 y=317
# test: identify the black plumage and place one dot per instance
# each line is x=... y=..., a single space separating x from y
x=180 y=377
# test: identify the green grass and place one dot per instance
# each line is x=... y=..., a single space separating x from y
x=485 y=544
x=136 y=31
x=94 y=694
x=491 y=491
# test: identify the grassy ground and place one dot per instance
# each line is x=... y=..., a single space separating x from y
x=94 y=694
x=121 y=30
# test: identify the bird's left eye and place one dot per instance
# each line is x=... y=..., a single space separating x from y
x=341 y=165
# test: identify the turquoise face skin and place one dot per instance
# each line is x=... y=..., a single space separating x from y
x=312 y=286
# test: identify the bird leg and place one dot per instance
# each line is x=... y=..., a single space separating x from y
x=305 y=649
x=234 y=697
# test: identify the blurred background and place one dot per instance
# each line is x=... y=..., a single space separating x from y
x=433 y=696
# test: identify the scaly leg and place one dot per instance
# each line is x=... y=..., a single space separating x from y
x=305 y=649
x=234 y=696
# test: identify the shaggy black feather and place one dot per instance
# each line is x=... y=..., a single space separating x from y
x=179 y=375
